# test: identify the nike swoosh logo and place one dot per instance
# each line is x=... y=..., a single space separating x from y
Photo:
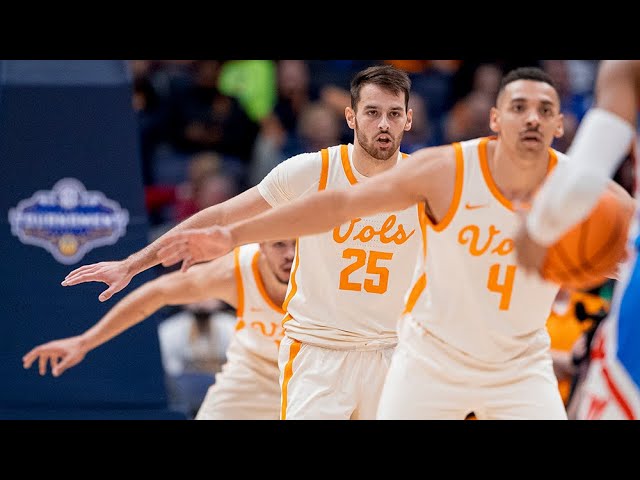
x=468 y=206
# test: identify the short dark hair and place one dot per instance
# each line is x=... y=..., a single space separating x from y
x=385 y=76
x=525 y=73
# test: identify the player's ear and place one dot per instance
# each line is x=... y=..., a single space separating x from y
x=409 y=122
x=494 y=122
x=559 y=132
x=350 y=115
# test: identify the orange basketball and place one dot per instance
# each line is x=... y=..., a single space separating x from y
x=585 y=256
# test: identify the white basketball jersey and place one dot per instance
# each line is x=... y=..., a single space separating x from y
x=259 y=327
x=347 y=286
x=474 y=296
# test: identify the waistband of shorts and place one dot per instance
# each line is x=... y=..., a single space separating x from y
x=365 y=347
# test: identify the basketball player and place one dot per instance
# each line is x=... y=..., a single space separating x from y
x=347 y=285
x=473 y=338
x=612 y=386
x=253 y=279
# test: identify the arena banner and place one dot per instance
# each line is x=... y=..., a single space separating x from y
x=72 y=194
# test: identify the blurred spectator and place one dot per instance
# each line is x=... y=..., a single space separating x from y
x=464 y=79
x=469 y=118
x=203 y=118
x=193 y=343
x=420 y=134
x=152 y=80
x=294 y=92
x=208 y=183
x=486 y=80
x=318 y=127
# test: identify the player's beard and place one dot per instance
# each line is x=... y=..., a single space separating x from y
x=369 y=146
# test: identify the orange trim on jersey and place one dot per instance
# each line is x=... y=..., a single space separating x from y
x=285 y=319
x=294 y=348
x=324 y=174
x=486 y=173
x=239 y=285
x=457 y=192
x=294 y=284
x=422 y=220
x=346 y=165
x=553 y=160
x=416 y=291
x=260 y=284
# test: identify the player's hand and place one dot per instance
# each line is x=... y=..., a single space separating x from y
x=60 y=354
x=115 y=274
x=529 y=254
x=194 y=246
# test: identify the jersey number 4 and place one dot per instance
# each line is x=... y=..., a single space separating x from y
x=379 y=285
x=505 y=287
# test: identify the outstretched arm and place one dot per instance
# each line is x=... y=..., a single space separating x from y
x=211 y=280
x=396 y=189
x=322 y=211
x=118 y=274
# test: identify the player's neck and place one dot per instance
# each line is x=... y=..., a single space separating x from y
x=275 y=289
x=517 y=177
x=369 y=166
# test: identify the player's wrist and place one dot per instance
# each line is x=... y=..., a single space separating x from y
x=86 y=342
x=232 y=236
x=134 y=264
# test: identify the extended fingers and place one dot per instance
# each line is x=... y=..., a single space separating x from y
x=83 y=269
x=82 y=278
x=42 y=364
x=108 y=293
x=29 y=357
x=62 y=366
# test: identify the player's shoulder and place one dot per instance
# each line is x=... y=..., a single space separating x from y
x=306 y=160
x=317 y=155
x=440 y=153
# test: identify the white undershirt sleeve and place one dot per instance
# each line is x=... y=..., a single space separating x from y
x=573 y=188
x=291 y=179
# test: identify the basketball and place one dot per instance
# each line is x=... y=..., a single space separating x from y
x=586 y=255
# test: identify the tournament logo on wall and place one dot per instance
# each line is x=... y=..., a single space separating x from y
x=68 y=220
